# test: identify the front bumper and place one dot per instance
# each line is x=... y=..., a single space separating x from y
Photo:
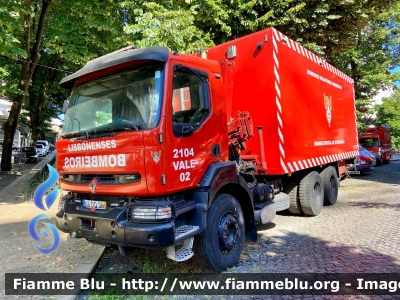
x=33 y=158
x=115 y=226
x=112 y=227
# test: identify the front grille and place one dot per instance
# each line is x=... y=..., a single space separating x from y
x=101 y=179
x=106 y=179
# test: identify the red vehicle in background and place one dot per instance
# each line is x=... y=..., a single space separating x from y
x=364 y=162
x=377 y=140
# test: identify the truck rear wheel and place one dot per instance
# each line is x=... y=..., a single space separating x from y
x=311 y=194
x=292 y=190
x=220 y=246
x=331 y=185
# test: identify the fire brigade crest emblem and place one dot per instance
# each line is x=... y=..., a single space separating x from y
x=328 y=108
x=156 y=156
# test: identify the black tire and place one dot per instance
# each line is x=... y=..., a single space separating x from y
x=220 y=246
x=311 y=194
x=292 y=189
x=331 y=185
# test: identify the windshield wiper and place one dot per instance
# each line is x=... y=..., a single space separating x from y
x=112 y=130
x=74 y=135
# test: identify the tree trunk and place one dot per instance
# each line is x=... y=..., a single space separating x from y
x=28 y=66
x=9 y=131
x=34 y=137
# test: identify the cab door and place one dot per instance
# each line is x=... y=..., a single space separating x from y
x=193 y=138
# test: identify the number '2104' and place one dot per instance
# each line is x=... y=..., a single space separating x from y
x=178 y=153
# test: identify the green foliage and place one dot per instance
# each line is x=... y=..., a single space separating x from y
x=77 y=31
x=170 y=26
x=324 y=26
x=10 y=28
x=74 y=32
x=150 y=267
x=389 y=113
x=103 y=118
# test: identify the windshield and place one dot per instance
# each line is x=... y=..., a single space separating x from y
x=129 y=100
x=372 y=142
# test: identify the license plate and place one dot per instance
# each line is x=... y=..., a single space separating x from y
x=95 y=204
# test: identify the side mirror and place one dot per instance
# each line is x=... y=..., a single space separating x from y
x=65 y=106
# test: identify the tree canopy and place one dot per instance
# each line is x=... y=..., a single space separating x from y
x=369 y=62
x=72 y=31
x=324 y=26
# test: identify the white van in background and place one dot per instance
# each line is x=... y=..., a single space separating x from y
x=40 y=150
x=45 y=144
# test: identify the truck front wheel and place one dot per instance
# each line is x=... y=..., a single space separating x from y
x=220 y=246
x=311 y=194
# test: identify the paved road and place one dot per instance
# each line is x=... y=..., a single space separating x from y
x=359 y=234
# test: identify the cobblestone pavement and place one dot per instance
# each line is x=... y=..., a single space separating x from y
x=360 y=234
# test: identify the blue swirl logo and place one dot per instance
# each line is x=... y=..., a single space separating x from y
x=38 y=201
x=44 y=187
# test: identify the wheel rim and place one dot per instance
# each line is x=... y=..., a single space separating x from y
x=228 y=233
x=317 y=194
x=333 y=184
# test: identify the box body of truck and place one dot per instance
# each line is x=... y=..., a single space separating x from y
x=305 y=106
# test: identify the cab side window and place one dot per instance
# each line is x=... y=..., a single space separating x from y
x=190 y=99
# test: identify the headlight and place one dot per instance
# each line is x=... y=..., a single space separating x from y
x=363 y=162
x=357 y=161
x=150 y=212
x=128 y=178
x=68 y=177
x=64 y=199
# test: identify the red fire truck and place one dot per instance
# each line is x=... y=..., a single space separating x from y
x=377 y=140
x=161 y=149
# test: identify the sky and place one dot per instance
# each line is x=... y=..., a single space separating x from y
x=397 y=69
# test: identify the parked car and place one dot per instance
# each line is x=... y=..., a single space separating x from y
x=365 y=161
x=41 y=150
x=45 y=143
x=31 y=153
x=14 y=147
